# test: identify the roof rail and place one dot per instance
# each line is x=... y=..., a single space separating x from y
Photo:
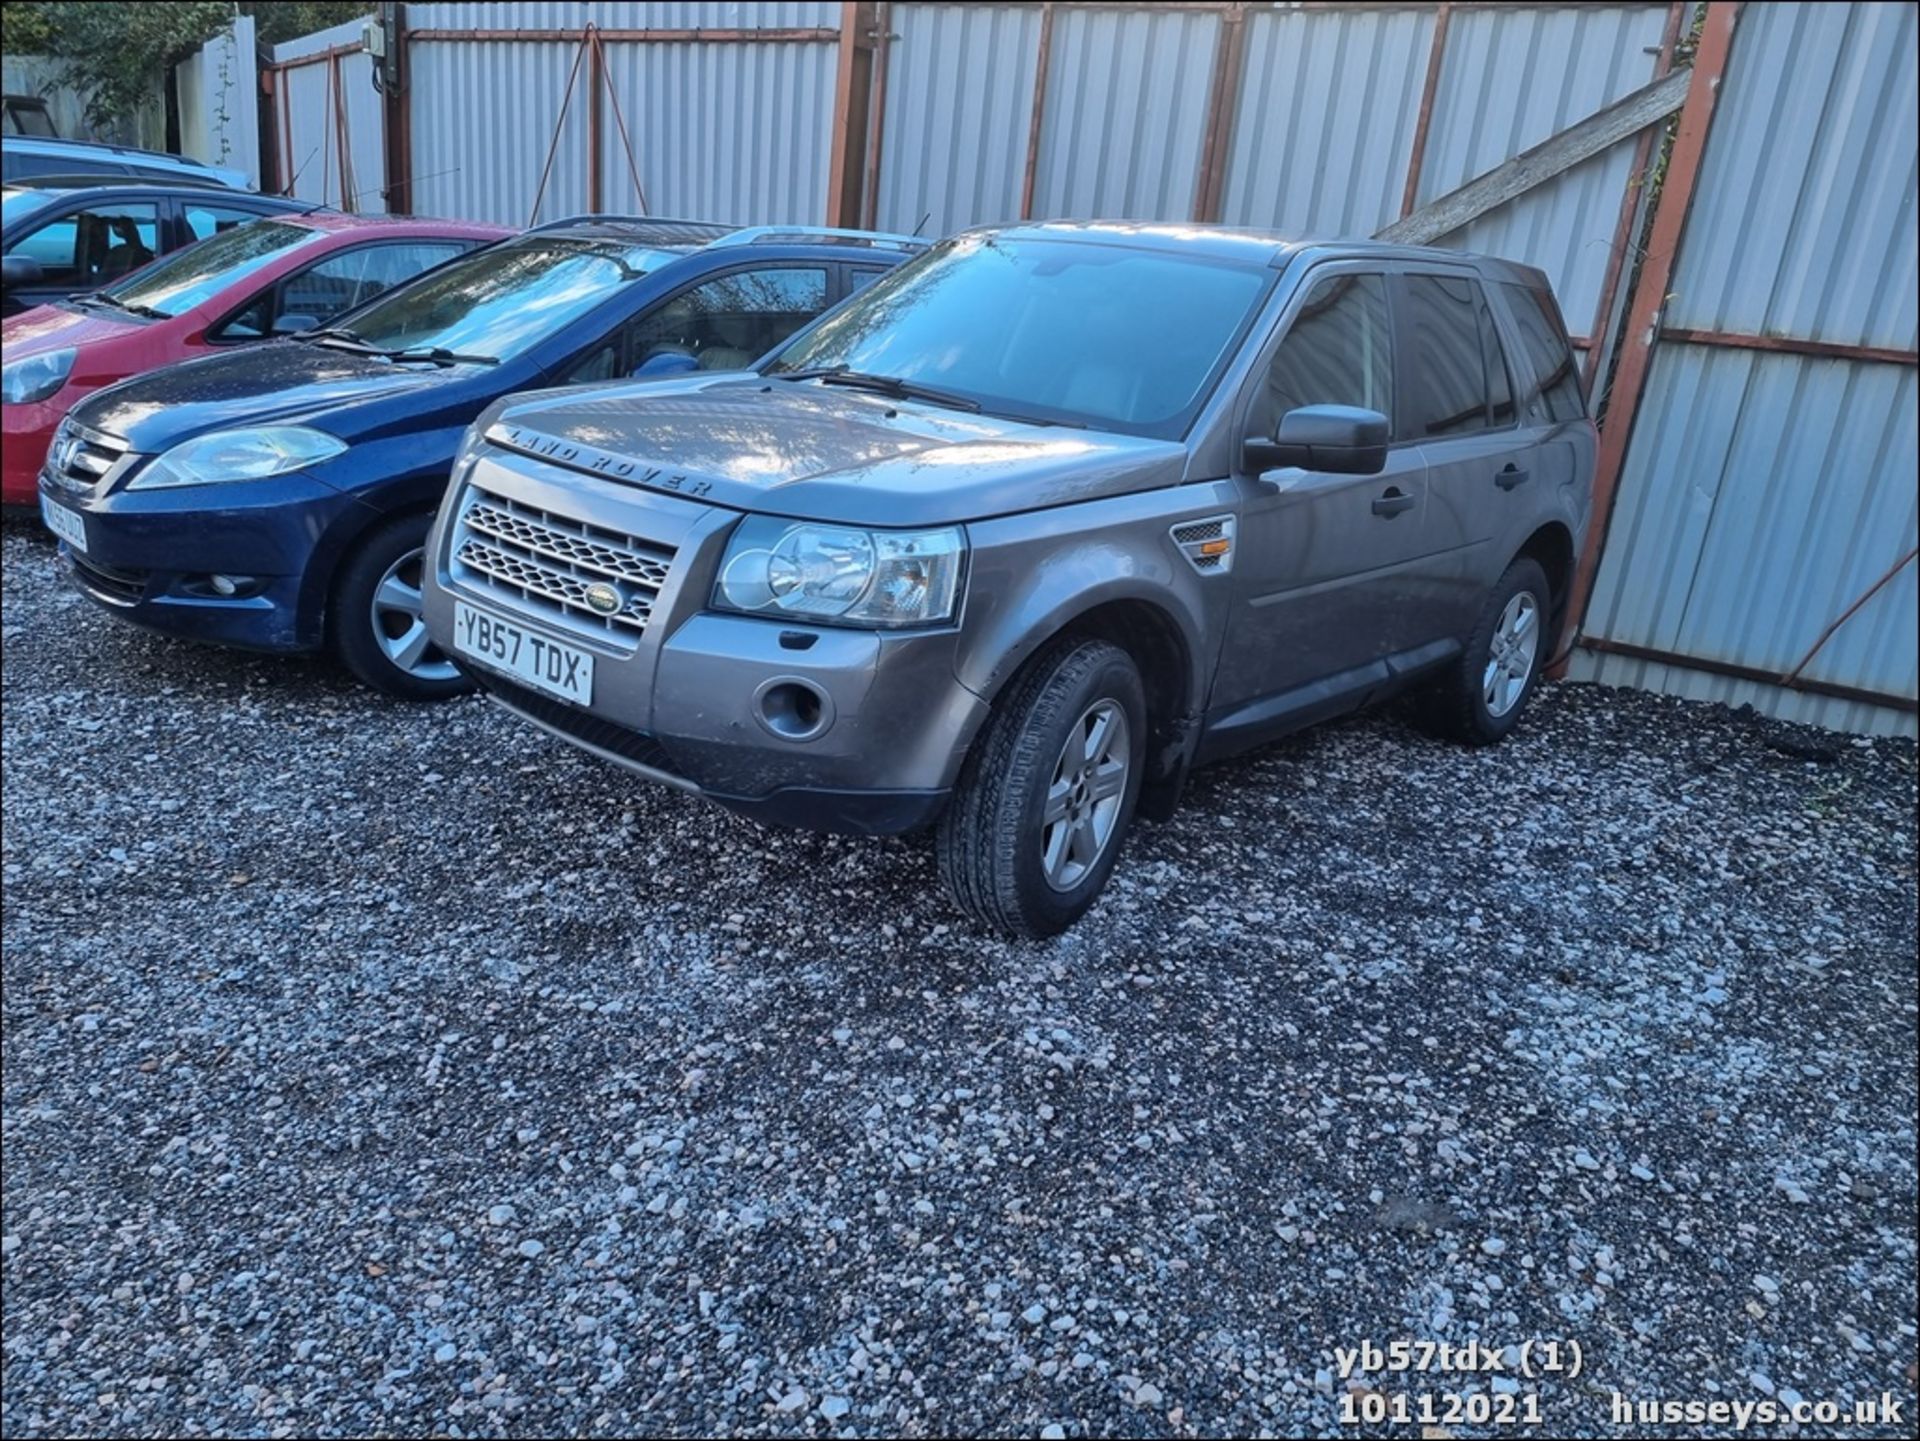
x=877 y=239
x=663 y=222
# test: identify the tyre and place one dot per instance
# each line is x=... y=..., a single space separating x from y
x=1047 y=792
x=1479 y=697
x=376 y=625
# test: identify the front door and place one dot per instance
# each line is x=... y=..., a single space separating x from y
x=1322 y=560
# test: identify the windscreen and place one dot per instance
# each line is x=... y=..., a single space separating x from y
x=193 y=275
x=1082 y=331
x=497 y=302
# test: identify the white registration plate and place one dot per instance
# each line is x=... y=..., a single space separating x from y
x=562 y=670
x=68 y=525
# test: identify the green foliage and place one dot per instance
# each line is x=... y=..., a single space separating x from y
x=120 y=52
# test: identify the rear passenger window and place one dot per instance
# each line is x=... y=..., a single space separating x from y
x=1493 y=358
x=204 y=220
x=1549 y=378
x=1458 y=381
x=1338 y=351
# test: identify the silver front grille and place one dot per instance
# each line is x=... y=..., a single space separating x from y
x=556 y=567
x=79 y=457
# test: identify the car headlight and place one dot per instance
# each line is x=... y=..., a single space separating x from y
x=36 y=377
x=834 y=573
x=238 y=455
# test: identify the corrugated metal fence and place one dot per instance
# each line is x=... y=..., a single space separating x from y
x=721 y=110
x=1770 y=478
x=1761 y=488
x=327 y=121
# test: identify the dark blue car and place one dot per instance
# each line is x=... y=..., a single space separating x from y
x=278 y=498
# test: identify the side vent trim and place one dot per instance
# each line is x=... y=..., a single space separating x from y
x=1207 y=543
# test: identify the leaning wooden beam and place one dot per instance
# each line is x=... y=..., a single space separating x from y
x=1557 y=153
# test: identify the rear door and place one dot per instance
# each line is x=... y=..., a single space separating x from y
x=1320 y=560
x=1457 y=403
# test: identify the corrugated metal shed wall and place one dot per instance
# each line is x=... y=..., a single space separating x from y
x=736 y=130
x=1328 y=104
x=1763 y=492
x=954 y=132
x=1125 y=112
x=722 y=131
x=308 y=99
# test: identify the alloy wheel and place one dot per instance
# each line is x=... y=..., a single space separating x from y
x=1510 y=655
x=399 y=626
x=1085 y=797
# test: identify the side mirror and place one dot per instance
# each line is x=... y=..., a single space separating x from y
x=20 y=270
x=1344 y=439
x=294 y=324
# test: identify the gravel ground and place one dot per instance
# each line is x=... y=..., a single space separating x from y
x=379 y=1070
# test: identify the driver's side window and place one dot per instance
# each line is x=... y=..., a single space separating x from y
x=1338 y=351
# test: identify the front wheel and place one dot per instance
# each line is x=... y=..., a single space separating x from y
x=377 y=625
x=1048 y=791
x=1479 y=697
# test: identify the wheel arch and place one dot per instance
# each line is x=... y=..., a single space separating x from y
x=1551 y=548
x=1162 y=649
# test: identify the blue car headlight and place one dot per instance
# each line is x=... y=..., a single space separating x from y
x=252 y=454
x=36 y=377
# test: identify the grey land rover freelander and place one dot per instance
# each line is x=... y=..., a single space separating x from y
x=1028 y=528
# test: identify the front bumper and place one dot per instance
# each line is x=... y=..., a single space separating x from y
x=150 y=557
x=25 y=433
x=686 y=704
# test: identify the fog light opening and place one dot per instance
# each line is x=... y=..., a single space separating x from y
x=793 y=709
x=224 y=585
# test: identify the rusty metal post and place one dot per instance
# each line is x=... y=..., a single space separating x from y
x=1223 y=99
x=1040 y=63
x=852 y=104
x=1442 y=15
x=396 y=98
x=1630 y=204
x=596 y=96
x=877 y=123
x=1649 y=298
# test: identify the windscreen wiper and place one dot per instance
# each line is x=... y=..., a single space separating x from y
x=881 y=385
x=336 y=333
x=100 y=297
x=428 y=354
x=438 y=355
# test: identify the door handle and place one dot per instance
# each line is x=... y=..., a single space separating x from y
x=1511 y=476
x=1392 y=503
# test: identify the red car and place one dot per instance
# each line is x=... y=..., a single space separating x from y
x=274 y=276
